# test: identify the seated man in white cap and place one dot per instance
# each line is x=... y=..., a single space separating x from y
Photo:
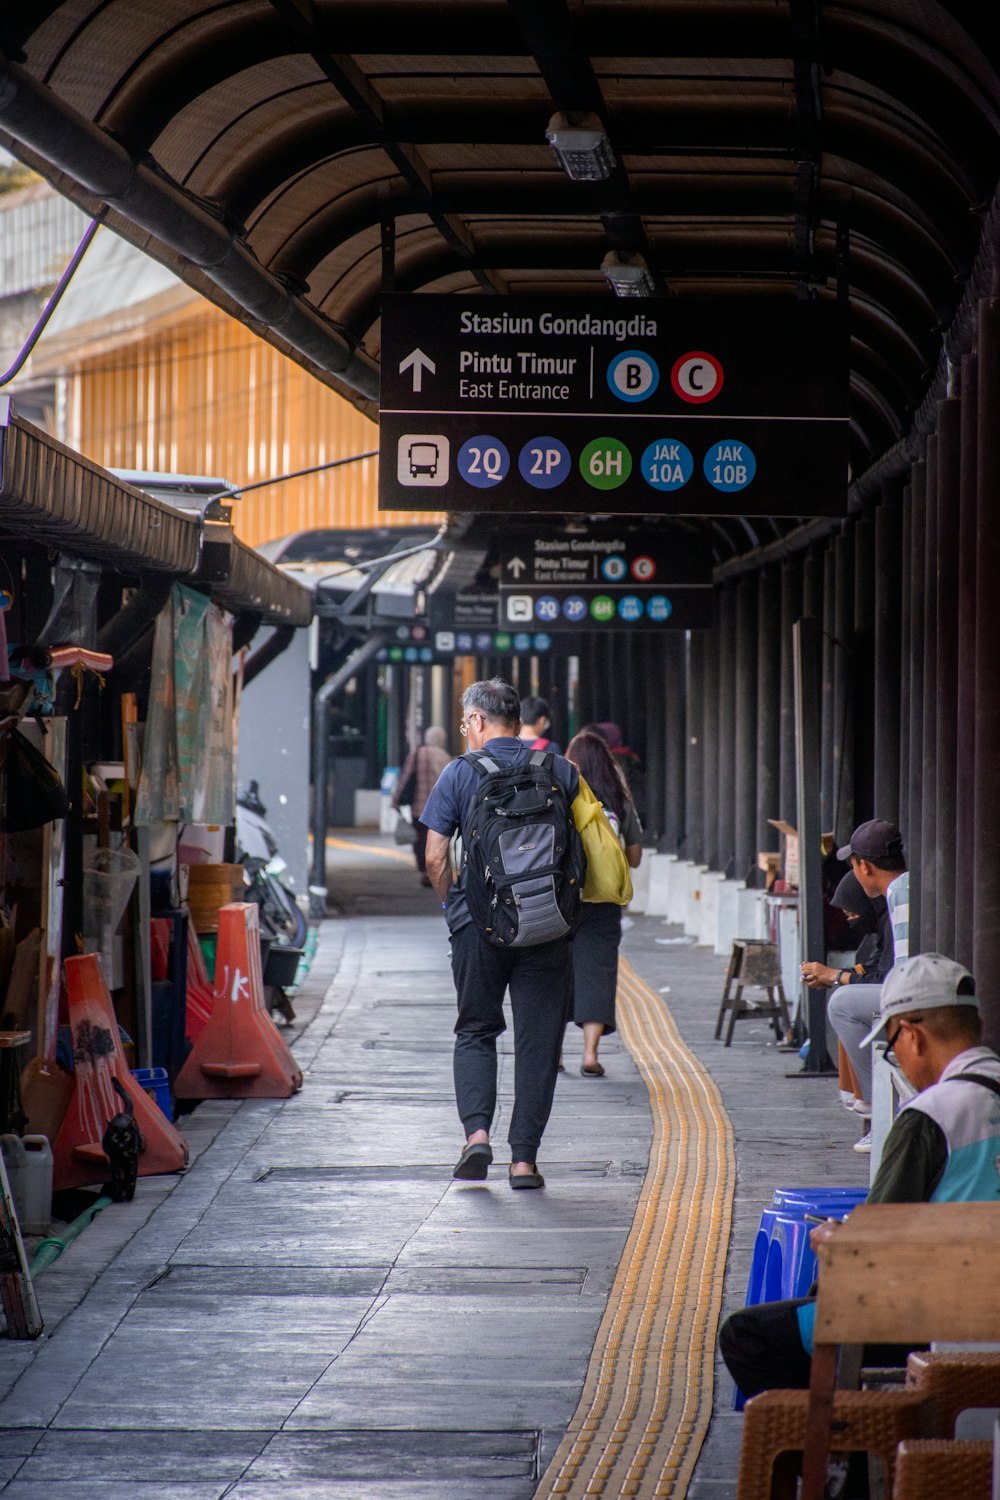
x=944 y=1146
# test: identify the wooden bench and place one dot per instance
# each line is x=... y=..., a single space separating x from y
x=898 y=1273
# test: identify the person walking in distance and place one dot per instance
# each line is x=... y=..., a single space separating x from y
x=421 y=769
x=508 y=927
x=595 y=946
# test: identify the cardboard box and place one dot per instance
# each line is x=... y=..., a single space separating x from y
x=790 y=865
x=790 y=850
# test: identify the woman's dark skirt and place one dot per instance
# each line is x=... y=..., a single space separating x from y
x=595 y=963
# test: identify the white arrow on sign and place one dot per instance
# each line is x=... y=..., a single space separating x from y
x=418 y=362
x=517 y=566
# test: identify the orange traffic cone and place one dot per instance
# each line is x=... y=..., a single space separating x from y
x=78 y=1157
x=240 y=1053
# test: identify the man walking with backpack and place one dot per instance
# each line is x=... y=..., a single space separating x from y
x=510 y=915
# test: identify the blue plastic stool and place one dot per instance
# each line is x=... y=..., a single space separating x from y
x=783 y=1264
x=811 y=1195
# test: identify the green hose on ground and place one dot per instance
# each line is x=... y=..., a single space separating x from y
x=51 y=1248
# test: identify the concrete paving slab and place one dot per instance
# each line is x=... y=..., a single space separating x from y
x=376 y=1455
x=317 y=1283
x=192 y=1457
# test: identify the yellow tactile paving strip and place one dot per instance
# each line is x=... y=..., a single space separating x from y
x=647 y=1398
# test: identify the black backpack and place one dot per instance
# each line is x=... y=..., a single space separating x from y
x=524 y=862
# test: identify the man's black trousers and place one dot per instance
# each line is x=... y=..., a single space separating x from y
x=539 y=980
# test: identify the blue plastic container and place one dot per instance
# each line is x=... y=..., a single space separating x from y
x=157 y=1086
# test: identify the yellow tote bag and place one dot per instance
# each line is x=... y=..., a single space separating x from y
x=608 y=876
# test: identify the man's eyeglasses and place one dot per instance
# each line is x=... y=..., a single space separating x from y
x=890 y=1041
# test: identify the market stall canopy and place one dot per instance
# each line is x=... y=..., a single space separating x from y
x=52 y=495
x=292 y=159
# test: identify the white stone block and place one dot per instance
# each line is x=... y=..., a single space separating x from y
x=752 y=914
x=692 y=918
x=367 y=808
x=727 y=917
x=640 y=884
x=658 y=883
x=677 y=896
x=710 y=883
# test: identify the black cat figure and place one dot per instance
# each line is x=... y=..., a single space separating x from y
x=123 y=1145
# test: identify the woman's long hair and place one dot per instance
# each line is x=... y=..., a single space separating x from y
x=592 y=758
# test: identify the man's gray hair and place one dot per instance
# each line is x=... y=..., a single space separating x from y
x=496 y=700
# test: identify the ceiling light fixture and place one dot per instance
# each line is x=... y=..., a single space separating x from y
x=628 y=274
x=581 y=145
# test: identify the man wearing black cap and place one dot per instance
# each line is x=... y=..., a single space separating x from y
x=875 y=853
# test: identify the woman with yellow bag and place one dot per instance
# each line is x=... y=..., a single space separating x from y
x=608 y=888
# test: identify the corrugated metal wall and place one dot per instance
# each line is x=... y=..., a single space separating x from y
x=202 y=395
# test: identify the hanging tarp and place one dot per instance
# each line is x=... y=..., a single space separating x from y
x=158 y=796
x=187 y=765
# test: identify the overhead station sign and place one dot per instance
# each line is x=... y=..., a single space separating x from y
x=580 y=405
x=600 y=580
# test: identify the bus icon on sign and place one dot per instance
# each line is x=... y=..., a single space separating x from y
x=422 y=460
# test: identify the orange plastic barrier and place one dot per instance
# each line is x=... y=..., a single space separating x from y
x=78 y=1159
x=199 y=988
x=240 y=1053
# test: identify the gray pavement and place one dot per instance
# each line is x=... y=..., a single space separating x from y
x=315 y=1309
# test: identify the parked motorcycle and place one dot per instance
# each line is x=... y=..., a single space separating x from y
x=283 y=924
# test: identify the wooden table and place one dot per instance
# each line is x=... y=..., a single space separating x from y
x=896 y=1272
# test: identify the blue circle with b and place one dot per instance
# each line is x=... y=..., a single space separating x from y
x=633 y=376
x=614 y=569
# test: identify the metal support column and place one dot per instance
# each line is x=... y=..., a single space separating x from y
x=863 y=701
x=885 y=702
x=918 y=615
x=673 y=725
x=986 y=936
x=726 y=792
x=745 y=739
x=808 y=666
x=710 y=740
x=965 y=769
x=842 y=759
x=657 y=687
x=905 y=625
x=693 y=845
x=791 y=609
x=946 y=739
x=928 y=875
x=769 y=602
x=828 y=720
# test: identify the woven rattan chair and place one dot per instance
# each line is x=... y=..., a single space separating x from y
x=955 y=1381
x=929 y=1470
x=774 y=1426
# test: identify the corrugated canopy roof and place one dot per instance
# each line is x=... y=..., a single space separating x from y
x=267 y=150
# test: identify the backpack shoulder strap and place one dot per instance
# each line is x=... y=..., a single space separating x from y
x=484 y=764
x=987 y=1083
x=541 y=758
